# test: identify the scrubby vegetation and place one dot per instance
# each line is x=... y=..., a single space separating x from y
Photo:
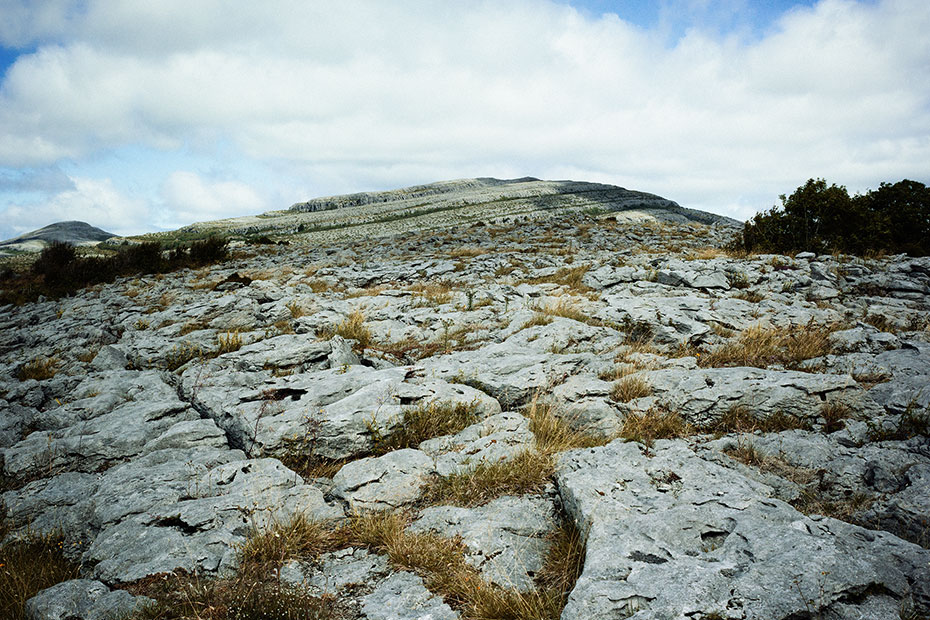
x=29 y=565
x=895 y=219
x=60 y=270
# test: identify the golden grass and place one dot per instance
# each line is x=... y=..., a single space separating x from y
x=569 y=277
x=750 y=296
x=567 y=307
x=229 y=342
x=353 y=328
x=767 y=346
x=29 y=565
x=739 y=419
x=442 y=564
x=192 y=326
x=295 y=309
x=427 y=421
x=432 y=294
x=527 y=472
x=629 y=388
x=40 y=369
x=654 y=424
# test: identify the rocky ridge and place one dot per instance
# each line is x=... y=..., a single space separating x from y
x=158 y=422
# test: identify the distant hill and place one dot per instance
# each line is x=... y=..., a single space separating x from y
x=74 y=232
x=453 y=205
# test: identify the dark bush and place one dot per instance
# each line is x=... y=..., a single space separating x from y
x=142 y=258
x=60 y=271
x=821 y=218
x=211 y=250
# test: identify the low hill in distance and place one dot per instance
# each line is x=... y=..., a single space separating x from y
x=73 y=232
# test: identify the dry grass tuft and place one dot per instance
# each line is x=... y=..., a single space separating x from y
x=654 y=424
x=750 y=296
x=40 y=369
x=29 y=565
x=567 y=307
x=442 y=564
x=569 y=277
x=739 y=419
x=297 y=537
x=538 y=319
x=833 y=414
x=427 y=421
x=432 y=294
x=353 y=328
x=553 y=433
x=528 y=472
x=296 y=309
x=629 y=388
x=229 y=342
x=765 y=346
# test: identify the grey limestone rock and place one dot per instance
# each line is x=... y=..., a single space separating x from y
x=333 y=411
x=497 y=438
x=505 y=538
x=671 y=535
x=337 y=570
x=703 y=395
x=402 y=596
x=384 y=482
x=83 y=599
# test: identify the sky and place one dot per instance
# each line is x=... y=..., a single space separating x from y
x=143 y=116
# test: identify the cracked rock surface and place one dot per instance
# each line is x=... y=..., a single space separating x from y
x=159 y=422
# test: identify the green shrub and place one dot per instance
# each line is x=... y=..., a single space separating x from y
x=820 y=218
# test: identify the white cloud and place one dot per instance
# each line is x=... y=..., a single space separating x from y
x=95 y=201
x=358 y=93
x=188 y=198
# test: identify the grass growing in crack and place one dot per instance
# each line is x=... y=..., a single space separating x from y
x=654 y=424
x=353 y=328
x=228 y=342
x=527 y=472
x=40 y=369
x=913 y=422
x=813 y=497
x=765 y=346
x=569 y=277
x=442 y=565
x=296 y=537
x=427 y=421
x=629 y=388
x=28 y=566
x=834 y=413
x=739 y=419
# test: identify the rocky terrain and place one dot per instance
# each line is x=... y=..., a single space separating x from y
x=724 y=436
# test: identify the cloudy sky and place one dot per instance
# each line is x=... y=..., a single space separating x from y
x=139 y=116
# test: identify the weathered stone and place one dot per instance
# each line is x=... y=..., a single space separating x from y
x=702 y=396
x=497 y=438
x=670 y=535
x=384 y=482
x=83 y=599
x=506 y=538
x=402 y=596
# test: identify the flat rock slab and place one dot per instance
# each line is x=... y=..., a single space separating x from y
x=498 y=438
x=336 y=571
x=384 y=482
x=671 y=535
x=402 y=596
x=703 y=395
x=331 y=412
x=505 y=538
